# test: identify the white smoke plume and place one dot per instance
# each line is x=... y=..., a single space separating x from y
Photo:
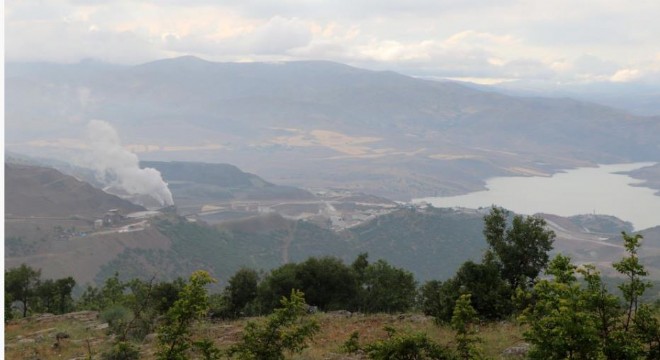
x=119 y=169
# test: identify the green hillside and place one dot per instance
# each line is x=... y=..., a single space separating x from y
x=432 y=243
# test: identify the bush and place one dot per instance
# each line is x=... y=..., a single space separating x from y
x=117 y=316
x=122 y=351
x=407 y=347
x=352 y=345
x=285 y=330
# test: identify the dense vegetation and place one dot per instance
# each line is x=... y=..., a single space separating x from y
x=444 y=238
x=569 y=313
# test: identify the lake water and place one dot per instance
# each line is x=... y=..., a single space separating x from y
x=579 y=191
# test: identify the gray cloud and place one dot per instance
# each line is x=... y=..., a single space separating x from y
x=540 y=40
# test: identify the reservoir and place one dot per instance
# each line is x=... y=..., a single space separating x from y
x=601 y=190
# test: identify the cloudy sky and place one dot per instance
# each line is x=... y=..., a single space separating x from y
x=557 y=41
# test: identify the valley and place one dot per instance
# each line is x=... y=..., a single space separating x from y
x=329 y=126
x=344 y=151
x=225 y=219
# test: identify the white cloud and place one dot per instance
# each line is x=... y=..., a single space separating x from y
x=279 y=35
x=626 y=75
x=536 y=39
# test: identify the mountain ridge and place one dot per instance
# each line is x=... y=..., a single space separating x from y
x=323 y=124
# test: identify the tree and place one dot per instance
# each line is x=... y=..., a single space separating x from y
x=606 y=311
x=54 y=296
x=429 y=297
x=360 y=265
x=286 y=330
x=462 y=321
x=560 y=323
x=387 y=288
x=241 y=291
x=63 y=289
x=165 y=294
x=21 y=283
x=45 y=296
x=490 y=294
x=193 y=303
x=521 y=250
x=113 y=291
x=634 y=271
x=327 y=283
x=90 y=299
x=573 y=320
x=647 y=328
x=276 y=285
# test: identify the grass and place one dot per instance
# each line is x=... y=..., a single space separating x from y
x=34 y=338
x=327 y=344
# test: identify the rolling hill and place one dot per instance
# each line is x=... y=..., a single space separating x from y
x=32 y=191
x=320 y=124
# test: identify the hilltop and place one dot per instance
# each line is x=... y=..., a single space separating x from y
x=44 y=192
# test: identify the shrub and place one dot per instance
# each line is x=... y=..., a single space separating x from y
x=407 y=347
x=122 y=351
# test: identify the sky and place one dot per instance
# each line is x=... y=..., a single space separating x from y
x=487 y=41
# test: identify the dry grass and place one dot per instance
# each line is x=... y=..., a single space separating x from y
x=34 y=338
x=335 y=329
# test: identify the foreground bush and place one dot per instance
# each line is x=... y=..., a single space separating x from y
x=287 y=330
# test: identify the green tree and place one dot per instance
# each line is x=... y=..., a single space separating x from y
x=90 y=299
x=112 y=291
x=429 y=297
x=193 y=303
x=54 y=296
x=388 y=289
x=521 y=250
x=647 y=328
x=276 y=285
x=360 y=265
x=63 y=289
x=634 y=271
x=241 y=291
x=606 y=311
x=582 y=320
x=560 y=323
x=463 y=322
x=286 y=330
x=490 y=294
x=327 y=283
x=21 y=283
x=165 y=294
x=143 y=305
x=45 y=295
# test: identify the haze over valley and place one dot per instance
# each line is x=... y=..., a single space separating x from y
x=338 y=145
x=320 y=124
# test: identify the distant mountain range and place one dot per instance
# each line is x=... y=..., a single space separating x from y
x=320 y=124
x=638 y=98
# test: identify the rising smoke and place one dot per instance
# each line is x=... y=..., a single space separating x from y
x=119 y=169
